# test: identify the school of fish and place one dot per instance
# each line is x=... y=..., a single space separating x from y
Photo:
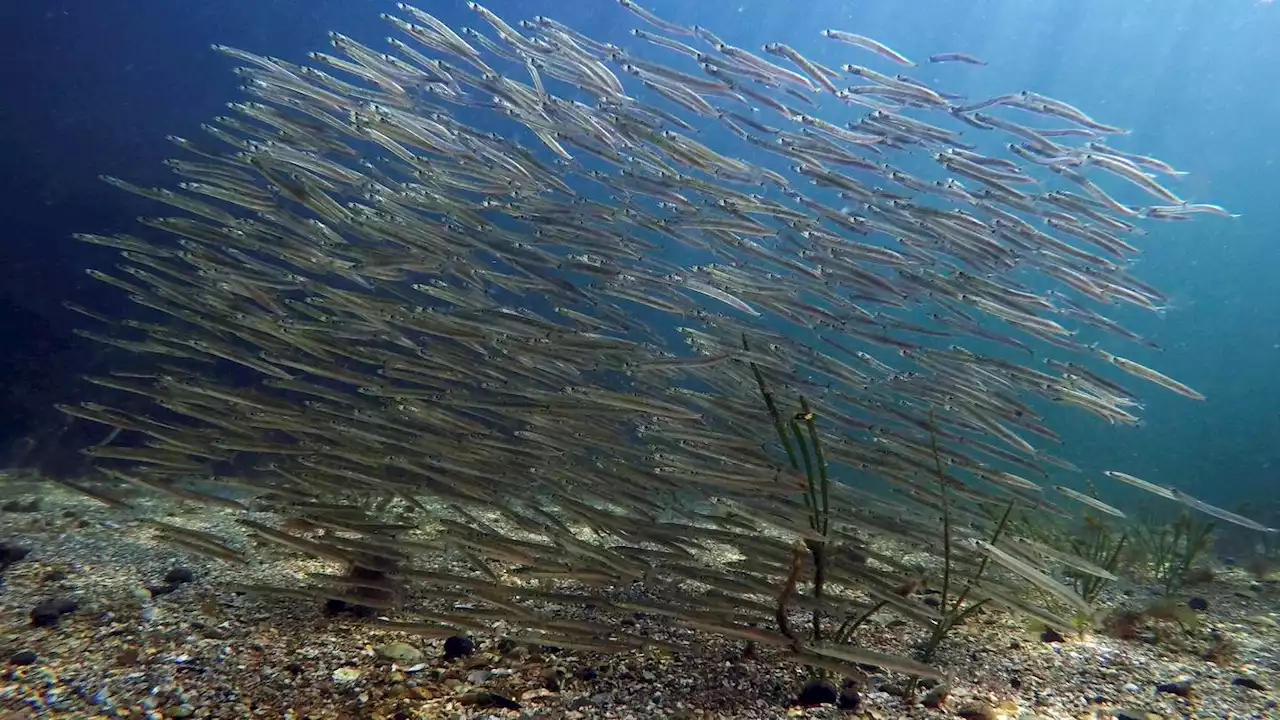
x=537 y=341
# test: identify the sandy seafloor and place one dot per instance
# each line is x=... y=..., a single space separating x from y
x=202 y=651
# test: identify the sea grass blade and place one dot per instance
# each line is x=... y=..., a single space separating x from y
x=773 y=410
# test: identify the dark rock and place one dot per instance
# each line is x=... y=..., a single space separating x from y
x=458 y=646
x=489 y=700
x=931 y=600
x=552 y=678
x=936 y=697
x=10 y=554
x=1051 y=636
x=1181 y=689
x=1198 y=604
x=850 y=699
x=817 y=692
x=977 y=711
x=506 y=646
x=23 y=657
x=1250 y=683
x=19 y=506
x=1015 y=682
x=893 y=689
x=45 y=614
x=55 y=576
x=179 y=575
x=587 y=674
x=334 y=606
x=158 y=590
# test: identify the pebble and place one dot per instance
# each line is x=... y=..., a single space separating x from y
x=1250 y=683
x=1131 y=688
x=489 y=699
x=182 y=711
x=850 y=699
x=346 y=675
x=18 y=506
x=936 y=697
x=457 y=646
x=10 y=554
x=552 y=678
x=46 y=614
x=158 y=590
x=23 y=657
x=976 y=711
x=1198 y=604
x=1051 y=636
x=179 y=575
x=399 y=652
x=817 y=692
x=1181 y=689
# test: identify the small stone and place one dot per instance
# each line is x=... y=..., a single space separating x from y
x=398 y=652
x=23 y=657
x=45 y=614
x=458 y=646
x=936 y=697
x=54 y=576
x=179 y=575
x=552 y=677
x=1181 y=689
x=158 y=590
x=587 y=674
x=12 y=553
x=1131 y=688
x=346 y=675
x=1051 y=636
x=849 y=699
x=817 y=692
x=977 y=711
x=489 y=700
x=182 y=711
x=1198 y=604
x=478 y=676
x=1250 y=683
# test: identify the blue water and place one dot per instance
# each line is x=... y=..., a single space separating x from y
x=94 y=87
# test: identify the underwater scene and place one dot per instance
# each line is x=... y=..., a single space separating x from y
x=640 y=359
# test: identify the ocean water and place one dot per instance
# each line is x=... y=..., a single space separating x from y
x=94 y=87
